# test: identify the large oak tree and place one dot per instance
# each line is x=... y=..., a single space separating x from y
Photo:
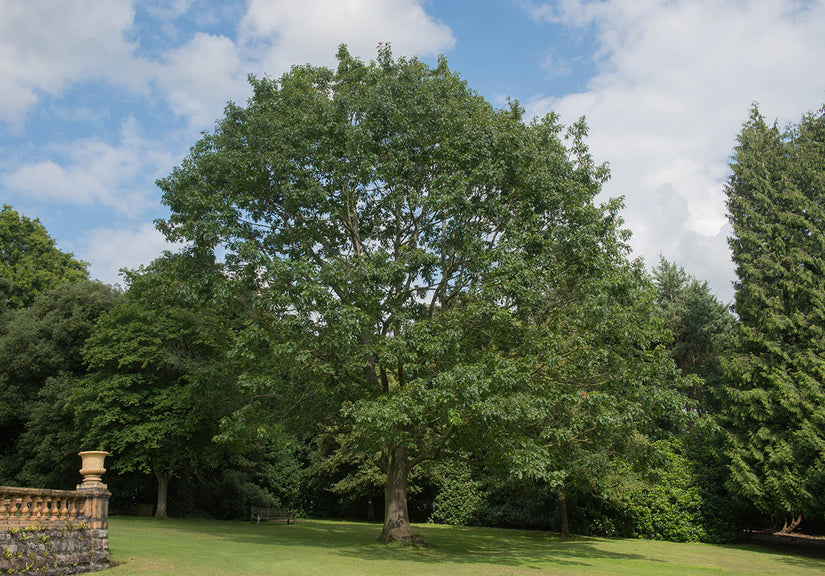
x=426 y=275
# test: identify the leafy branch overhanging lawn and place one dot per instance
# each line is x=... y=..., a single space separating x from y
x=156 y=547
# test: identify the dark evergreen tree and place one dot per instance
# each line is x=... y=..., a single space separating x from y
x=776 y=415
x=40 y=362
x=702 y=329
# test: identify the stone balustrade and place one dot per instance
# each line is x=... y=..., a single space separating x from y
x=32 y=506
x=57 y=532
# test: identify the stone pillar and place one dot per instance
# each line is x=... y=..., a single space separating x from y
x=97 y=495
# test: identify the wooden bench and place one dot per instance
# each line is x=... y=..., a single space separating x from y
x=275 y=514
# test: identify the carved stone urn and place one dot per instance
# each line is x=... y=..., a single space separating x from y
x=92 y=468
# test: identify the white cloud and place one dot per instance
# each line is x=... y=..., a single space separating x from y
x=108 y=250
x=556 y=66
x=201 y=76
x=47 y=44
x=198 y=78
x=674 y=83
x=310 y=31
x=97 y=173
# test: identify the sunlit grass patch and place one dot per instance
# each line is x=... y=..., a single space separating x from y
x=148 y=546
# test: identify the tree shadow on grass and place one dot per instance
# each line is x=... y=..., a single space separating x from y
x=792 y=557
x=799 y=552
x=447 y=545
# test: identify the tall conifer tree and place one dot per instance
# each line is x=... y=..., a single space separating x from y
x=776 y=417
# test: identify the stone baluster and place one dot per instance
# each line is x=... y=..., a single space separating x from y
x=75 y=508
x=37 y=508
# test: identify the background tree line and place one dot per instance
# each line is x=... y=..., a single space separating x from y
x=400 y=302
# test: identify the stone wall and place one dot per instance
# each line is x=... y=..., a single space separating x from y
x=50 y=551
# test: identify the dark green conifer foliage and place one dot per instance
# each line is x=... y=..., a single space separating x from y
x=776 y=417
x=702 y=329
x=40 y=362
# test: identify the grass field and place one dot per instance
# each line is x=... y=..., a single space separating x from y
x=149 y=546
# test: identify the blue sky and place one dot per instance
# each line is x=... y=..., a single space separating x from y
x=99 y=98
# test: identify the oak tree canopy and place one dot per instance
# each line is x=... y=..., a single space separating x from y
x=427 y=276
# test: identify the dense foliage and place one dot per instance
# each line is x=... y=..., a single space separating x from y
x=702 y=329
x=157 y=385
x=431 y=276
x=40 y=364
x=30 y=262
x=776 y=414
x=400 y=301
x=47 y=309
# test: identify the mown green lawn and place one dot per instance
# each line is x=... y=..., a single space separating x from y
x=149 y=546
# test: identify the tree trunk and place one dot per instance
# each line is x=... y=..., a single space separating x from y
x=163 y=485
x=565 y=523
x=396 y=515
x=792 y=525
